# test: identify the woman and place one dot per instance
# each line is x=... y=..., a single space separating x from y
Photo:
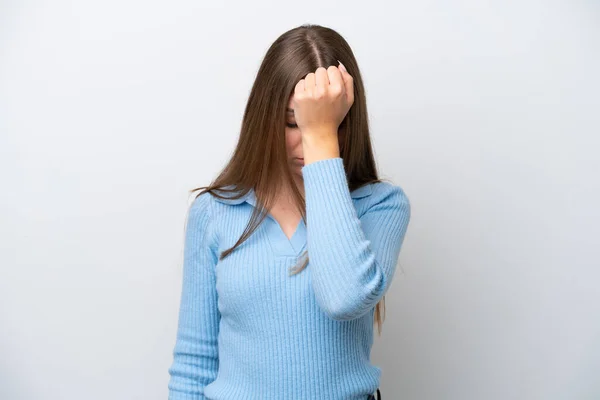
x=301 y=190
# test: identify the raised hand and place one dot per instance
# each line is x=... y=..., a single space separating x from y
x=321 y=101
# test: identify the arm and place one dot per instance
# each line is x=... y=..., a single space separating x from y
x=352 y=259
x=195 y=355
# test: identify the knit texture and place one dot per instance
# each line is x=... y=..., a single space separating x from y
x=249 y=330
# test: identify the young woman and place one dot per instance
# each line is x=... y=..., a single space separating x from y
x=290 y=250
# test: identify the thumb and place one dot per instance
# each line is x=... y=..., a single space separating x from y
x=348 y=82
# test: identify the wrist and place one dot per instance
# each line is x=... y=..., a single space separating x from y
x=319 y=148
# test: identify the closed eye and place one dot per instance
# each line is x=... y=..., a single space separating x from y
x=290 y=125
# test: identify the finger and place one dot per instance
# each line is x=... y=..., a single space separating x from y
x=299 y=88
x=322 y=79
x=348 y=83
x=336 y=82
x=309 y=84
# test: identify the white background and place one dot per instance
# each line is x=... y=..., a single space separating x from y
x=485 y=114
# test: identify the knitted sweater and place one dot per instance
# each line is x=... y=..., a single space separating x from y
x=249 y=330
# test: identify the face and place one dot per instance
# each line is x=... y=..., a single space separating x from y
x=293 y=140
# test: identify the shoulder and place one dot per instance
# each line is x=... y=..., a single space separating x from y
x=202 y=205
x=390 y=195
x=200 y=213
x=386 y=188
x=200 y=237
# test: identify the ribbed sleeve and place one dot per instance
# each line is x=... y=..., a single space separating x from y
x=352 y=259
x=195 y=355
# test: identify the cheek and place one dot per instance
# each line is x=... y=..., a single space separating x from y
x=293 y=138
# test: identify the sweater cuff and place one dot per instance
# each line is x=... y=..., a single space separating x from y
x=327 y=179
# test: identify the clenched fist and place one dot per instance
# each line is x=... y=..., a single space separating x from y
x=322 y=100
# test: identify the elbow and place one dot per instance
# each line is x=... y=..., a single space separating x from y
x=349 y=308
x=348 y=302
x=342 y=315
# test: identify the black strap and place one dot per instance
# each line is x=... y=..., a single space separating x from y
x=372 y=396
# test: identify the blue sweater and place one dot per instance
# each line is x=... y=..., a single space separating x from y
x=249 y=330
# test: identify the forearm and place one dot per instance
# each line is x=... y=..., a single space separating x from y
x=352 y=258
x=319 y=145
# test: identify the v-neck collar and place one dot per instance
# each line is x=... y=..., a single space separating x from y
x=280 y=243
